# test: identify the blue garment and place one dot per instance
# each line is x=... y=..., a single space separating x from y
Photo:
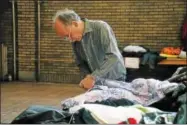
x=97 y=53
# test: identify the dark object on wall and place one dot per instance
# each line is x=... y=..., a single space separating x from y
x=184 y=34
x=4 y=5
x=3 y=62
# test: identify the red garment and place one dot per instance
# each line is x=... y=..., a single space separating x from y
x=132 y=121
x=184 y=35
x=129 y=121
x=184 y=30
x=171 y=50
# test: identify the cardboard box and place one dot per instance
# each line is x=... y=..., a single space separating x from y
x=132 y=62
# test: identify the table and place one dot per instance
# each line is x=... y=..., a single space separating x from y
x=173 y=61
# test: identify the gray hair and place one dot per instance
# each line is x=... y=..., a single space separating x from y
x=66 y=16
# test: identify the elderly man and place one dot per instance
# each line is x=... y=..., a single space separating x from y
x=94 y=45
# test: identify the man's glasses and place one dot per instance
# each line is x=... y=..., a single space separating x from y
x=68 y=38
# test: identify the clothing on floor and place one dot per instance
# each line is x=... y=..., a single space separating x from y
x=50 y=115
x=180 y=75
x=113 y=102
x=184 y=34
x=141 y=91
x=39 y=114
x=181 y=117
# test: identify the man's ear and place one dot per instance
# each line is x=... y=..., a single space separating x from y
x=75 y=23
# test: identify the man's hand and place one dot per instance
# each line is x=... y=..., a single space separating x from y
x=87 y=82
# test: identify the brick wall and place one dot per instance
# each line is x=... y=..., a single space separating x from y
x=148 y=23
x=154 y=24
x=26 y=38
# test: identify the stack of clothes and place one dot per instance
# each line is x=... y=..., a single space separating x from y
x=142 y=101
x=176 y=52
x=147 y=57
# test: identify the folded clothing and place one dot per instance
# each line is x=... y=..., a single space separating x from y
x=132 y=48
x=168 y=55
x=171 y=50
x=182 y=54
x=134 y=51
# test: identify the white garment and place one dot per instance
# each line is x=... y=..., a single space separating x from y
x=182 y=54
x=104 y=114
x=132 y=48
x=112 y=115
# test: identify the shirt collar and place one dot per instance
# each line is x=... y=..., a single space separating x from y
x=87 y=26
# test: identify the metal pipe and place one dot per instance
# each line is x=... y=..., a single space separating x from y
x=38 y=39
x=1 y=62
x=14 y=38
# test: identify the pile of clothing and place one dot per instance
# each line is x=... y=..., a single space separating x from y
x=176 y=52
x=142 y=91
x=180 y=75
x=147 y=57
x=116 y=102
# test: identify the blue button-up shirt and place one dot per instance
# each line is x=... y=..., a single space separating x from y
x=97 y=53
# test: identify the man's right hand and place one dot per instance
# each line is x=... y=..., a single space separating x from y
x=87 y=82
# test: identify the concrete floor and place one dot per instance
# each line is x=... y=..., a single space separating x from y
x=17 y=96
